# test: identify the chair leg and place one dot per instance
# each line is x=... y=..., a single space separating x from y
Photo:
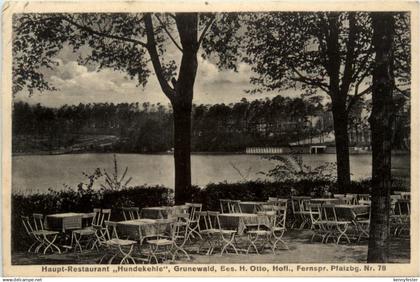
x=50 y=244
x=228 y=242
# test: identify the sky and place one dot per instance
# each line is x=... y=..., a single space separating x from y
x=84 y=84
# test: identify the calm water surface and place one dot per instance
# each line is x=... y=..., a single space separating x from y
x=40 y=172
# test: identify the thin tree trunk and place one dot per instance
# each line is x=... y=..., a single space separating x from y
x=342 y=148
x=381 y=128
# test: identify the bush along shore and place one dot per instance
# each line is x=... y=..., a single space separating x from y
x=84 y=198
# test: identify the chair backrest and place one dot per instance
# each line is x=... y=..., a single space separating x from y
x=193 y=209
x=393 y=201
x=38 y=221
x=111 y=229
x=338 y=196
x=96 y=217
x=102 y=215
x=281 y=214
x=304 y=205
x=363 y=197
x=272 y=199
x=403 y=207
x=315 y=213
x=351 y=199
x=405 y=195
x=328 y=213
x=295 y=205
x=224 y=206
x=27 y=225
x=235 y=206
x=213 y=220
x=130 y=213
x=180 y=226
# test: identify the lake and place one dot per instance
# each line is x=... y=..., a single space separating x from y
x=34 y=173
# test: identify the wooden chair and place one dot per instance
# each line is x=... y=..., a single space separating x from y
x=130 y=213
x=46 y=238
x=117 y=247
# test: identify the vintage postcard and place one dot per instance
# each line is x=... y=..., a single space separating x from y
x=212 y=138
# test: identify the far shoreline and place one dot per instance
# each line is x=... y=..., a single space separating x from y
x=41 y=153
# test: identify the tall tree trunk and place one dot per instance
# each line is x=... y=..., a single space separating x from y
x=338 y=98
x=381 y=128
x=182 y=104
x=342 y=146
x=182 y=153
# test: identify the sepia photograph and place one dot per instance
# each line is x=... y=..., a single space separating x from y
x=209 y=141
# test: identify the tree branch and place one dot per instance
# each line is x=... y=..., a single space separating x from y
x=151 y=47
x=310 y=81
x=203 y=34
x=102 y=34
x=354 y=98
x=349 y=61
x=168 y=33
x=405 y=93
